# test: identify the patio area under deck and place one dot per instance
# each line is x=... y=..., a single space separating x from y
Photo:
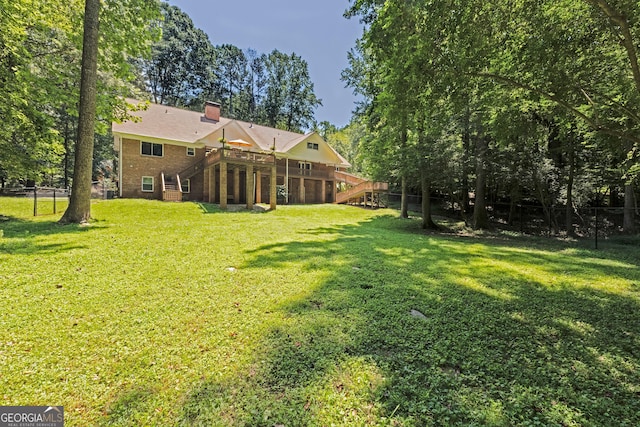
x=224 y=162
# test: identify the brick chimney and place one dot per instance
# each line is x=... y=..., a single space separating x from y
x=212 y=111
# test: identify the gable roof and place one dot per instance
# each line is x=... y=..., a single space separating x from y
x=171 y=124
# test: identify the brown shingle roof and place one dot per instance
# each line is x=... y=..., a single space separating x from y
x=264 y=136
x=175 y=124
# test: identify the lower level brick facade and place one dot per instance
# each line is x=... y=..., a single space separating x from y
x=141 y=169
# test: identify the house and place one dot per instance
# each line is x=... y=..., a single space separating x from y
x=173 y=154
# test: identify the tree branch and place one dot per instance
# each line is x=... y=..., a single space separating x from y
x=621 y=21
x=593 y=105
x=616 y=105
x=561 y=102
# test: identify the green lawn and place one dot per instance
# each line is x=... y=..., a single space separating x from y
x=178 y=314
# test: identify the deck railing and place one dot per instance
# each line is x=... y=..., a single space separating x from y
x=193 y=169
x=239 y=156
x=347 y=178
x=360 y=190
x=170 y=191
x=306 y=173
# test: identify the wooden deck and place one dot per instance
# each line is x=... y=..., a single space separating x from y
x=218 y=163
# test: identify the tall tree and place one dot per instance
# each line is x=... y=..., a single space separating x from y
x=182 y=66
x=578 y=55
x=276 y=70
x=255 y=88
x=79 y=209
x=300 y=100
x=123 y=25
x=233 y=76
x=33 y=42
x=290 y=101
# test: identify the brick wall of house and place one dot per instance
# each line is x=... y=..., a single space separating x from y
x=174 y=160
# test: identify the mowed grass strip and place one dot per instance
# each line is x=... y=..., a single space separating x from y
x=179 y=314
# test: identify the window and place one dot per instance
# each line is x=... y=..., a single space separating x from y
x=191 y=151
x=151 y=149
x=304 y=168
x=147 y=183
x=186 y=185
x=312 y=146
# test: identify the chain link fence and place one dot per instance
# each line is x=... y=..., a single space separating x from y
x=50 y=200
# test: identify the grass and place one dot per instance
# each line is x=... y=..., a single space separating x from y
x=179 y=314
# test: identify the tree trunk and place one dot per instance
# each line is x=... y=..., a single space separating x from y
x=427 y=221
x=543 y=198
x=514 y=199
x=466 y=150
x=404 y=199
x=480 y=217
x=628 y=223
x=613 y=196
x=568 y=219
x=67 y=149
x=79 y=209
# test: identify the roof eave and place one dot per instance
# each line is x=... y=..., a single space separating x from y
x=149 y=138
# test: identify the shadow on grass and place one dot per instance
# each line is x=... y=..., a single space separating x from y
x=129 y=407
x=507 y=335
x=208 y=208
x=19 y=236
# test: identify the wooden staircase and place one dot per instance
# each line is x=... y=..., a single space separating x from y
x=361 y=192
x=196 y=167
x=171 y=189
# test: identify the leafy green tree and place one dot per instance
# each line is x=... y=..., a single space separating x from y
x=233 y=76
x=183 y=63
x=345 y=140
x=300 y=99
x=29 y=45
x=289 y=101
x=251 y=97
x=275 y=66
x=186 y=70
x=577 y=55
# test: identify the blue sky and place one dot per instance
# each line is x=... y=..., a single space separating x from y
x=315 y=30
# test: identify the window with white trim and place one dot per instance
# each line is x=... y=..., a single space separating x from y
x=151 y=149
x=304 y=166
x=191 y=151
x=186 y=185
x=147 y=184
